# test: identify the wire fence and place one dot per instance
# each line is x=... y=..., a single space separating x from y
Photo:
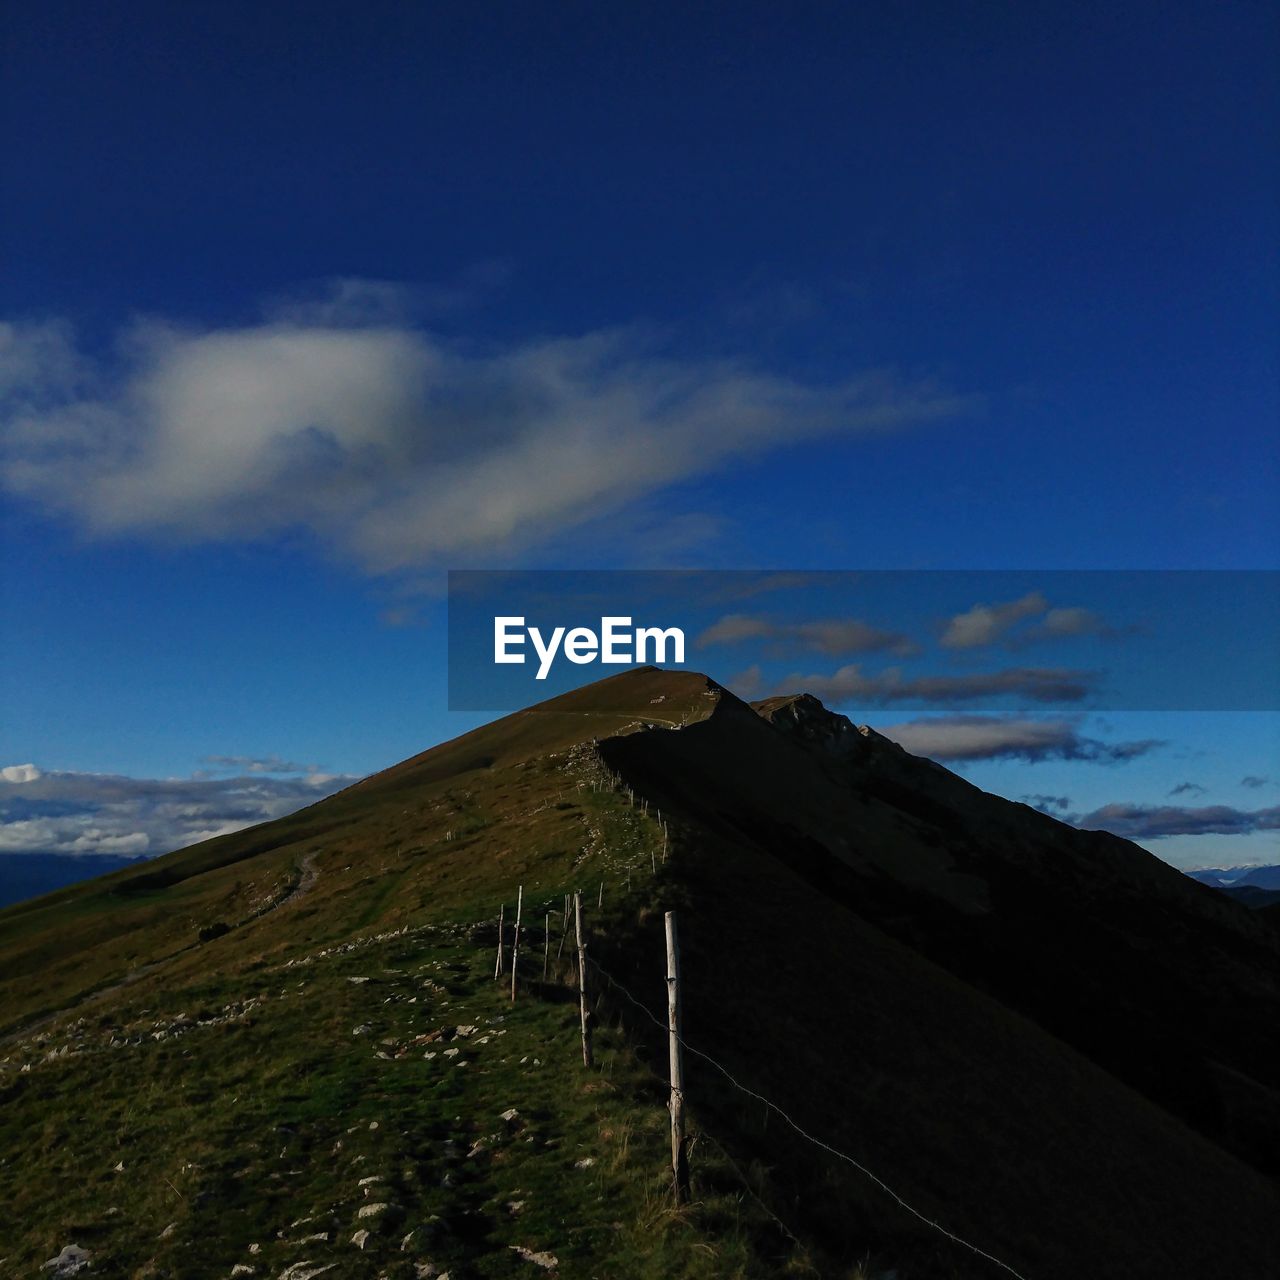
x=804 y=1133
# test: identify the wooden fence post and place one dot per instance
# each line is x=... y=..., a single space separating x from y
x=515 y=941
x=546 y=949
x=583 y=1013
x=497 y=968
x=679 y=1149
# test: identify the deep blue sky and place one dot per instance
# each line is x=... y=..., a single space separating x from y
x=1044 y=235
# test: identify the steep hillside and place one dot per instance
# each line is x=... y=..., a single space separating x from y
x=249 y=1054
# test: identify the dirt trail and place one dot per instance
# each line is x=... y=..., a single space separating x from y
x=306 y=882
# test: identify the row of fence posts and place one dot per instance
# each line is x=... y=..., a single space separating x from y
x=675 y=1030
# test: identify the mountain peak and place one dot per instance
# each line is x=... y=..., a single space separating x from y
x=808 y=720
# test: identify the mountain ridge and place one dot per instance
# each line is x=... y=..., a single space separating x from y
x=988 y=1008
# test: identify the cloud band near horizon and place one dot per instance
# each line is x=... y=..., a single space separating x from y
x=92 y=813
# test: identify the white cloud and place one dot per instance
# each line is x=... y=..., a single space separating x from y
x=19 y=773
x=986 y=623
x=389 y=446
x=94 y=813
x=830 y=636
x=1156 y=822
x=960 y=738
x=1034 y=684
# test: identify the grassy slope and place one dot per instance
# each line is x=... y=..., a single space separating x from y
x=226 y=1077
x=369 y=843
x=229 y=1124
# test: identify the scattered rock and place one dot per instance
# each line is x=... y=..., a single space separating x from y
x=585 y=1163
x=511 y=1115
x=362 y=1030
x=242 y=1269
x=360 y=1238
x=71 y=1261
x=547 y=1261
x=304 y=1271
x=168 y=1231
x=381 y=1209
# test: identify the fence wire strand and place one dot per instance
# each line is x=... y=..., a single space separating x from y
x=809 y=1137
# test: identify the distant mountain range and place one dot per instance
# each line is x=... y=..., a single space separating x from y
x=1255 y=887
x=1238 y=877
x=294 y=1057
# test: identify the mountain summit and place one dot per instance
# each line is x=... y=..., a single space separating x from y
x=283 y=1053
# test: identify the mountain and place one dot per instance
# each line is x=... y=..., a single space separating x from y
x=1238 y=877
x=1214 y=877
x=28 y=875
x=1258 y=878
x=1252 y=896
x=284 y=1050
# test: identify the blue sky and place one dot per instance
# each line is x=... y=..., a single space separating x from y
x=304 y=306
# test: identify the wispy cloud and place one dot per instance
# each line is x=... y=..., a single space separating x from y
x=1066 y=624
x=391 y=447
x=747 y=684
x=830 y=636
x=1048 y=804
x=966 y=738
x=1253 y=781
x=1154 y=822
x=95 y=813
x=984 y=624
x=1034 y=684
x=988 y=624
x=260 y=764
x=1187 y=789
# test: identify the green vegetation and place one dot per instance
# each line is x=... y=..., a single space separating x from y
x=268 y=1100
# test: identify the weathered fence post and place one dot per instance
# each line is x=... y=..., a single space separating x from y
x=497 y=968
x=583 y=1014
x=515 y=941
x=679 y=1150
x=546 y=949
